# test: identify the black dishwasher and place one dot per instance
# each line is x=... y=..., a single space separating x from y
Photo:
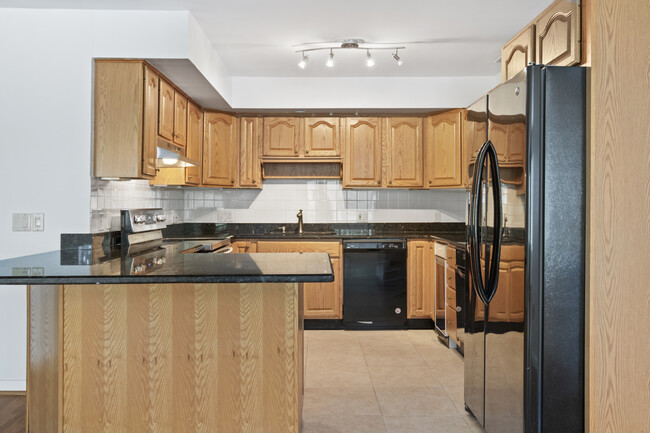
x=374 y=283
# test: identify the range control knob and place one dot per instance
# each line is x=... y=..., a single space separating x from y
x=139 y=219
x=161 y=217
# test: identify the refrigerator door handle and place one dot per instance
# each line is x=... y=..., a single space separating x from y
x=493 y=281
x=475 y=258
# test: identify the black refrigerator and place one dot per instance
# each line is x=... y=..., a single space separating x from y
x=524 y=323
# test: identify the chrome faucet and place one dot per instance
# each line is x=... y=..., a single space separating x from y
x=299 y=221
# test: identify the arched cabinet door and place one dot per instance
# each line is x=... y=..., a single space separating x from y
x=443 y=150
x=518 y=53
x=281 y=137
x=322 y=136
x=220 y=150
x=557 y=30
x=362 y=161
x=404 y=163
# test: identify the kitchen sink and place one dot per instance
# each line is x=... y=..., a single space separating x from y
x=305 y=233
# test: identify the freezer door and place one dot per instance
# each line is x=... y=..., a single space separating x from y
x=474 y=337
x=504 y=328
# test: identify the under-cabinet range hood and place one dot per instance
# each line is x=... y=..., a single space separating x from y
x=170 y=155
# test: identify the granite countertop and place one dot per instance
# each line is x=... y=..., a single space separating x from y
x=452 y=233
x=165 y=265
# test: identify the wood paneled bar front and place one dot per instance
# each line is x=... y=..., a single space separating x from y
x=183 y=357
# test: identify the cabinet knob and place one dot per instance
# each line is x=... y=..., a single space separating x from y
x=254 y=180
x=232 y=181
x=295 y=151
x=306 y=151
x=430 y=181
x=390 y=182
x=378 y=181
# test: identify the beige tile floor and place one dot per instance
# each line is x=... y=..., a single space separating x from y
x=383 y=382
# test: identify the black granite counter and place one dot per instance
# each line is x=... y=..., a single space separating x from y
x=164 y=265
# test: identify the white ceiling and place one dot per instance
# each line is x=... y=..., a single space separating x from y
x=255 y=38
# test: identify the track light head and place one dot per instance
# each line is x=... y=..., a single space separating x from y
x=369 y=60
x=303 y=62
x=397 y=59
x=330 y=60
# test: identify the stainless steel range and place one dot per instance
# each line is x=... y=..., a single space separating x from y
x=142 y=241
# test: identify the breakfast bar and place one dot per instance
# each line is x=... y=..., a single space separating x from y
x=198 y=343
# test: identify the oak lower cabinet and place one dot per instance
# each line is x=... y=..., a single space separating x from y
x=322 y=300
x=220 y=150
x=281 y=137
x=362 y=162
x=443 y=150
x=244 y=246
x=507 y=305
x=518 y=53
x=250 y=147
x=125 y=119
x=419 y=279
x=322 y=136
x=404 y=162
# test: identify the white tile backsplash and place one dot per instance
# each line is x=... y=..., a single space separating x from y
x=325 y=201
x=322 y=201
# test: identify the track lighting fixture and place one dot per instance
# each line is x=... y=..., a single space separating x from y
x=397 y=59
x=348 y=44
x=369 y=60
x=303 y=62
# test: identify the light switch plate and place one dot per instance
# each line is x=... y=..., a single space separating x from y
x=21 y=222
x=38 y=222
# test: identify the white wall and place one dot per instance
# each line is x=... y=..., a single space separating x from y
x=358 y=92
x=45 y=119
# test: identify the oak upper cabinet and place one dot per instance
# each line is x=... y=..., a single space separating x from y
x=166 y=111
x=443 y=150
x=250 y=143
x=220 y=150
x=516 y=54
x=362 y=155
x=125 y=119
x=403 y=152
x=558 y=34
x=180 y=119
x=194 y=148
x=281 y=137
x=322 y=137
x=418 y=279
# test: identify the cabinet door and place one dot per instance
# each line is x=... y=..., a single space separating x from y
x=250 y=168
x=518 y=53
x=180 y=119
x=220 y=150
x=558 y=34
x=166 y=111
x=516 y=143
x=418 y=279
x=150 y=129
x=281 y=136
x=443 y=149
x=323 y=300
x=194 y=143
x=404 y=152
x=322 y=136
x=362 y=161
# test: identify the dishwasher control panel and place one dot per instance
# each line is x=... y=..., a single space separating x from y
x=375 y=244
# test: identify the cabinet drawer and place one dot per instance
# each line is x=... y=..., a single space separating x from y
x=451 y=277
x=332 y=248
x=451 y=256
x=451 y=298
